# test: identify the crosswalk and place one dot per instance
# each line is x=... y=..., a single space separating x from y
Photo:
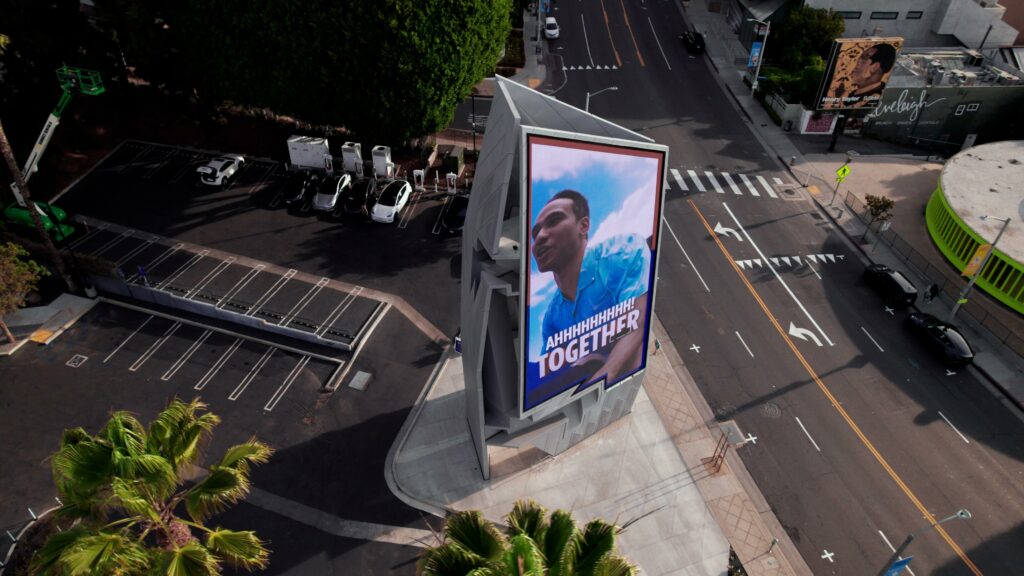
x=728 y=183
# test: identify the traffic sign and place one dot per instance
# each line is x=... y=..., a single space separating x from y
x=843 y=172
x=898 y=566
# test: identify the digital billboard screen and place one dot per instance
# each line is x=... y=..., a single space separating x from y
x=857 y=72
x=592 y=234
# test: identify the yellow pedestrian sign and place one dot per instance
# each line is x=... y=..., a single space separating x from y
x=842 y=173
x=975 y=262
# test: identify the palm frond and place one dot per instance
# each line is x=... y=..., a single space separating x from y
x=72 y=436
x=523 y=557
x=596 y=541
x=614 y=566
x=179 y=429
x=192 y=559
x=47 y=560
x=242 y=456
x=125 y=434
x=561 y=547
x=103 y=553
x=448 y=560
x=86 y=464
x=131 y=500
x=241 y=549
x=527 y=517
x=213 y=493
x=474 y=534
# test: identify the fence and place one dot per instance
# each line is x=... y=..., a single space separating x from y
x=948 y=281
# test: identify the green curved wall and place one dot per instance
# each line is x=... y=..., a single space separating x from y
x=1003 y=277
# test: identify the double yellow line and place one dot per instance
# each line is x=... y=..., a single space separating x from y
x=833 y=400
x=608 y=28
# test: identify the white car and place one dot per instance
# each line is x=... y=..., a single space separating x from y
x=218 y=171
x=330 y=189
x=393 y=198
x=550 y=28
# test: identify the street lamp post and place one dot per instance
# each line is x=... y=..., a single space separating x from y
x=967 y=289
x=586 y=105
x=961 y=514
x=760 y=57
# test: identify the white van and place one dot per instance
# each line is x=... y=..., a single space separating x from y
x=550 y=28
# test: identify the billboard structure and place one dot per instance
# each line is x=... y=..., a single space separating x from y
x=857 y=72
x=592 y=214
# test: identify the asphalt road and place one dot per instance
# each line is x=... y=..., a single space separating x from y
x=854 y=440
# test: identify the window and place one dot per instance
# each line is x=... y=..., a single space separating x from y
x=914 y=15
x=884 y=15
x=849 y=15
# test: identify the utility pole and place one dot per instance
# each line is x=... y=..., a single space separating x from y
x=984 y=262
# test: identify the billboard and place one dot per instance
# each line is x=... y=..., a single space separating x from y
x=857 y=71
x=592 y=214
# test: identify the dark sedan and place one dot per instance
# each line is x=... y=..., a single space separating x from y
x=942 y=338
x=359 y=198
x=455 y=217
x=694 y=42
x=893 y=286
x=299 y=187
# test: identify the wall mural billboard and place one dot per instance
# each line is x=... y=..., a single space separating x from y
x=592 y=235
x=857 y=71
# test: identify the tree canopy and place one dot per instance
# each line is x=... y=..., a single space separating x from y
x=18 y=276
x=797 y=50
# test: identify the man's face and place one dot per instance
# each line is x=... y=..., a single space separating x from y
x=558 y=235
x=865 y=69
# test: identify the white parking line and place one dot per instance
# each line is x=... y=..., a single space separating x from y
x=152 y=171
x=156 y=261
x=338 y=310
x=808 y=262
x=679 y=180
x=962 y=437
x=209 y=277
x=678 y=243
x=744 y=343
x=658 y=41
x=304 y=301
x=696 y=180
x=125 y=341
x=750 y=185
x=185 y=357
x=714 y=182
x=889 y=544
x=137 y=156
x=136 y=251
x=403 y=223
x=767 y=187
x=777 y=277
x=218 y=364
x=113 y=242
x=91 y=233
x=437 y=222
x=253 y=372
x=808 y=434
x=729 y=181
x=242 y=282
x=154 y=347
x=286 y=384
x=873 y=341
x=182 y=269
x=271 y=292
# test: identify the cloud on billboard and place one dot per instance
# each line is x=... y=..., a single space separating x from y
x=857 y=72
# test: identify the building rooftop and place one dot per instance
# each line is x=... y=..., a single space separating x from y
x=922 y=67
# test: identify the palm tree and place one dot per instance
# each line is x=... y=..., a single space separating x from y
x=530 y=546
x=123 y=490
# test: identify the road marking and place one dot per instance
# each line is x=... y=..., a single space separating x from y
x=304 y=301
x=182 y=269
x=950 y=372
x=154 y=347
x=185 y=357
x=113 y=242
x=137 y=156
x=750 y=186
x=731 y=183
x=808 y=262
x=828 y=556
x=152 y=171
x=253 y=372
x=962 y=437
x=96 y=230
x=696 y=180
x=629 y=27
x=890 y=311
x=242 y=283
x=803 y=333
x=678 y=243
x=224 y=264
x=873 y=341
x=727 y=232
x=403 y=222
x=286 y=384
x=125 y=341
x=440 y=216
x=136 y=251
x=836 y=405
x=767 y=187
x=776 y=273
x=887 y=543
x=586 y=40
x=808 y=434
x=744 y=343
x=778 y=181
x=271 y=292
x=156 y=261
x=659 y=43
x=608 y=28
x=218 y=364
x=695 y=348
x=714 y=182
x=679 y=180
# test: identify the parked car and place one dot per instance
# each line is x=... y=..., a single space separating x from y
x=359 y=197
x=455 y=218
x=20 y=216
x=330 y=189
x=895 y=289
x=942 y=338
x=300 y=186
x=551 y=29
x=220 y=170
x=694 y=42
x=392 y=199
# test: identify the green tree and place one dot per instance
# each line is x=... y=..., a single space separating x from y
x=18 y=277
x=124 y=490
x=879 y=209
x=797 y=50
x=532 y=545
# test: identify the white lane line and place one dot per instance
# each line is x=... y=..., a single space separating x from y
x=750 y=185
x=304 y=301
x=286 y=384
x=338 y=311
x=768 y=187
x=777 y=277
x=678 y=243
x=586 y=40
x=224 y=264
x=125 y=341
x=729 y=181
x=962 y=437
x=154 y=347
x=808 y=262
x=242 y=282
x=271 y=292
x=889 y=544
x=696 y=180
x=253 y=372
x=185 y=357
x=679 y=180
x=864 y=330
x=658 y=41
x=744 y=343
x=218 y=364
x=808 y=434
x=714 y=182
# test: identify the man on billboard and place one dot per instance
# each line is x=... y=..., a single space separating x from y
x=872 y=71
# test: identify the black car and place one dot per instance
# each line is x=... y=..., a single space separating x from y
x=299 y=187
x=893 y=286
x=694 y=42
x=942 y=338
x=455 y=218
x=359 y=197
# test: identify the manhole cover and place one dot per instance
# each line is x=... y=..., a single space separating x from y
x=789 y=191
x=771 y=410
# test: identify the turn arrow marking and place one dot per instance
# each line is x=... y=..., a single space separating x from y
x=803 y=333
x=719 y=229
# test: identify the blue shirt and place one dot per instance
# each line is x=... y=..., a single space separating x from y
x=612 y=272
